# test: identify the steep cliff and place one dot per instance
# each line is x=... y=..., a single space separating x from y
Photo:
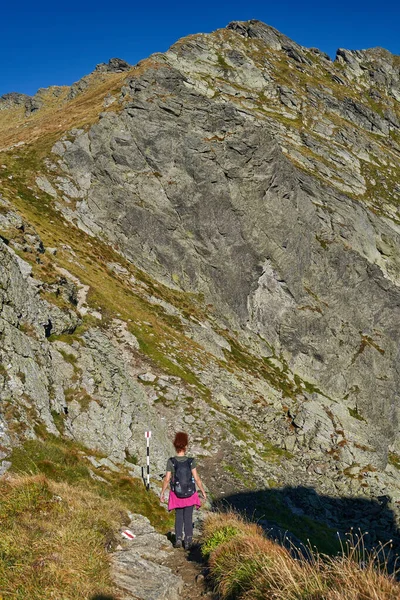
x=214 y=240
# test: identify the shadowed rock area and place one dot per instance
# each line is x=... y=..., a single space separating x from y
x=297 y=517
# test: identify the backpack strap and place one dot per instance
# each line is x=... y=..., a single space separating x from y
x=172 y=482
x=175 y=462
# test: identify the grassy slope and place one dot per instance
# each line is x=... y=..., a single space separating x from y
x=66 y=461
x=58 y=523
x=53 y=540
x=244 y=564
x=59 y=115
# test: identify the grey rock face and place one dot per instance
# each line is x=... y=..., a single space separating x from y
x=137 y=568
x=32 y=105
x=259 y=30
x=25 y=322
x=13 y=100
x=229 y=215
x=119 y=412
x=92 y=385
x=114 y=65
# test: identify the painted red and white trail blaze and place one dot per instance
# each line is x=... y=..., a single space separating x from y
x=147 y=435
x=128 y=534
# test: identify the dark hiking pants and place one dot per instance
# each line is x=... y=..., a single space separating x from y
x=184 y=521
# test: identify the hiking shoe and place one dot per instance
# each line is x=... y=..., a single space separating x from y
x=188 y=543
x=178 y=543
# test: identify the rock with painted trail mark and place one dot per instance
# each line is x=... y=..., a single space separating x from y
x=137 y=568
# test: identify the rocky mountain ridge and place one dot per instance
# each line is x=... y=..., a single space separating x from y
x=212 y=245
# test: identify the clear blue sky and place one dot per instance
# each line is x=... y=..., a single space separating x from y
x=46 y=43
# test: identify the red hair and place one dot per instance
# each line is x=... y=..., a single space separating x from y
x=181 y=441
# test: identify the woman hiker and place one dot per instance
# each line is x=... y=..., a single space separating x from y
x=182 y=472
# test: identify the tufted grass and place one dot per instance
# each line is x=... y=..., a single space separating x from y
x=54 y=539
x=220 y=528
x=58 y=523
x=245 y=564
x=62 y=460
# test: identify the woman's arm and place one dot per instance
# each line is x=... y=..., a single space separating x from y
x=165 y=483
x=198 y=482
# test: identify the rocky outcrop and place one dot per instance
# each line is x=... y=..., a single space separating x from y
x=13 y=100
x=31 y=104
x=90 y=385
x=138 y=569
x=114 y=65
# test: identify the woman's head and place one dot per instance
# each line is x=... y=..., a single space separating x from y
x=181 y=441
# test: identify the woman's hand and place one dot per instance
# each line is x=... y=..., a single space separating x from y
x=165 y=483
x=199 y=483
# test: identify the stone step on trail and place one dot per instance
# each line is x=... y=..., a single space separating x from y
x=137 y=567
x=149 y=568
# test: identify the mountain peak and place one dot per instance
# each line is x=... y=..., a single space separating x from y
x=114 y=65
x=259 y=30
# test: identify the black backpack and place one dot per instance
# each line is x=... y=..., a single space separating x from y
x=182 y=482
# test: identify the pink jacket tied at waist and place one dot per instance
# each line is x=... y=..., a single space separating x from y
x=175 y=502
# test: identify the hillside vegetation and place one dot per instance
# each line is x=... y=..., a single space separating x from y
x=245 y=564
x=53 y=540
x=59 y=522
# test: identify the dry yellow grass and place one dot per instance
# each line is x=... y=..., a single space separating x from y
x=244 y=564
x=54 y=539
x=59 y=115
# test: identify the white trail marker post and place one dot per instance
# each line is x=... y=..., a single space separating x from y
x=148 y=436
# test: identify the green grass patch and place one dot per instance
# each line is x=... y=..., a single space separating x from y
x=240 y=357
x=69 y=358
x=394 y=460
x=3 y=370
x=220 y=536
x=239 y=429
x=64 y=460
x=59 y=421
x=222 y=62
x=355 y=414
x=270 y=452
